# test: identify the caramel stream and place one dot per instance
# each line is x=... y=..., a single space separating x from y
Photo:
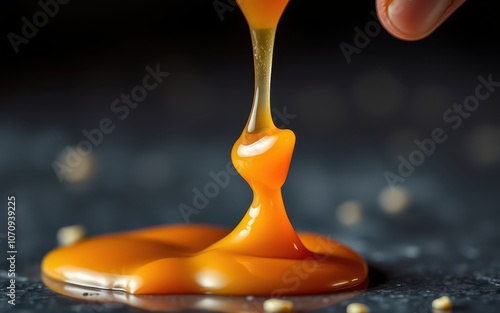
x=262 y=255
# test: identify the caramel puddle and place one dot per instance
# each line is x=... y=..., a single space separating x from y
x=262 y=255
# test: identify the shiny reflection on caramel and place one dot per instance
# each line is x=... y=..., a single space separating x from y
x=203 y=260
x=176 y=303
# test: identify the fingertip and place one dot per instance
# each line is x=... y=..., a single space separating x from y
x=414 y=20
x=382 y=13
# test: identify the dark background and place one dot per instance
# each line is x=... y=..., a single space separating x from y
x=352 y=122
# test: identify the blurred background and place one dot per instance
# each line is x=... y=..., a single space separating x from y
x=354 y=117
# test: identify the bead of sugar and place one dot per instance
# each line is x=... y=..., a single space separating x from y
x=394 y=200
x=349 y=212
x=70 y=234
x=357 y=308
x=278 y=306
x=443 y=303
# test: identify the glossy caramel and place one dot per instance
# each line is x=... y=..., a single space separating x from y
x=262 y=255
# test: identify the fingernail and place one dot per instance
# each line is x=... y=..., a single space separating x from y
x=416 y=17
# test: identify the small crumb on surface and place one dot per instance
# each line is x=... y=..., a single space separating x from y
x=443 y=304
x=278 y=306
x=82 y=170
x=70 y=234
x=394 y=200
x=349 y=212
x=357 y=308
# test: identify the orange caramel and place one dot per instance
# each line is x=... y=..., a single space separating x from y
x=262 y=255
x=262 y=13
